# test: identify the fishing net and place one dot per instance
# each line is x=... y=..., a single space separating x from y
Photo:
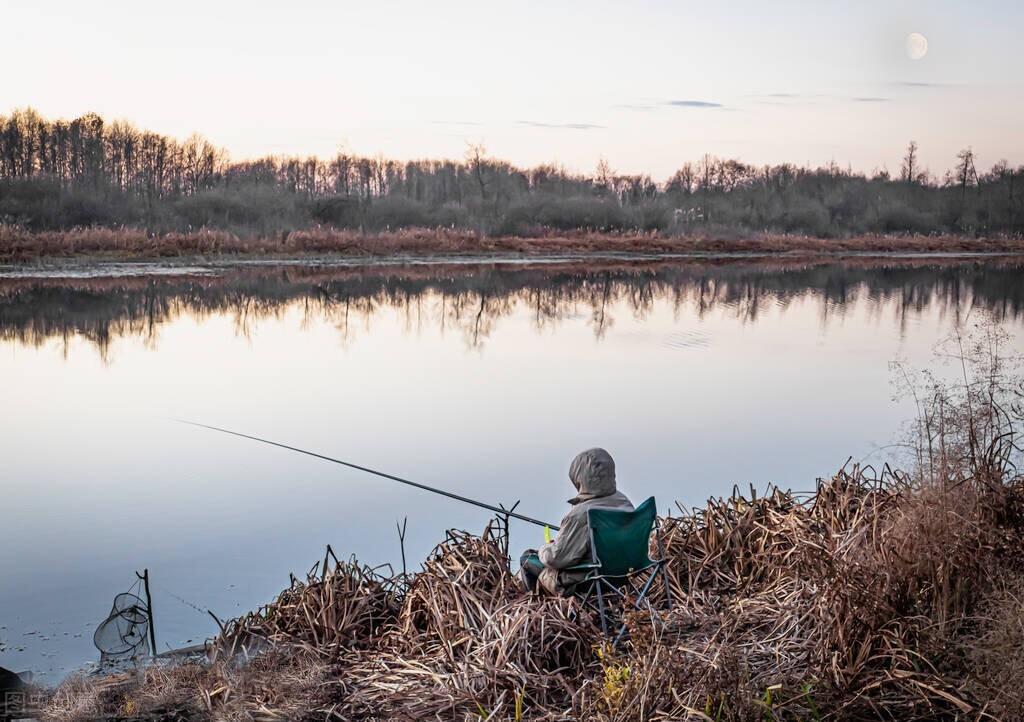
x=124 y=634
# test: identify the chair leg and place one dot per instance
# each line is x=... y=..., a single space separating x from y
x=641 y=597
x=584 y=597
x=642 y=600
x=600 y=604
x=618 y=637
x=622 y=626
x=604 y=609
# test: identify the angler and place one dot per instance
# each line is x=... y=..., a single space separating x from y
x=593 y=474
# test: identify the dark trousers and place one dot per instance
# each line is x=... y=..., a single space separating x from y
x=530 y=568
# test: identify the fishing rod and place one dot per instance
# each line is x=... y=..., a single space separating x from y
x=442 y=492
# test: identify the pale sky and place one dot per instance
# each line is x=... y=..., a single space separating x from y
x=646 y=85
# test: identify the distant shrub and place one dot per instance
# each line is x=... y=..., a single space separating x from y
x=41 y=204
x=252 y=208
x=652 y=215
x=451 y=215
x=563 y=214
x=807 y=216
x=85 y=209
x=901 y=217
x=396 y=212
x=337 y=210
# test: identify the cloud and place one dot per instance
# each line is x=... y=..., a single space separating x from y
x=643 y=107
x=871 y=99
x=662 y=104
x=918 y=84
x=783 y=99
x=454 y=122
x=692 y=104
x=560 y=126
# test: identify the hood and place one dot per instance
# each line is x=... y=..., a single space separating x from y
x=593 y=474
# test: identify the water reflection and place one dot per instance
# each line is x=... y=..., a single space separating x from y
x=470 y=300
x=484 y=380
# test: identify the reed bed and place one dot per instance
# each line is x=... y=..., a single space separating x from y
x=336 y=608
x=467 y=638
x=18 y=244
x=873 y=598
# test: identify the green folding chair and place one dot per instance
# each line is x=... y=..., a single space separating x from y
x=619 y=543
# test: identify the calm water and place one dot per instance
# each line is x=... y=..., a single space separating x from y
x=483 y=380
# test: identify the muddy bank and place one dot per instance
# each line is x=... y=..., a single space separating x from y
x=19 y=245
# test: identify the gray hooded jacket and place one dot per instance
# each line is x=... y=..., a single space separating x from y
x=593 y=475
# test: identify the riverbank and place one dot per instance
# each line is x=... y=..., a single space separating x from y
x=880 y=596
x=18 y=245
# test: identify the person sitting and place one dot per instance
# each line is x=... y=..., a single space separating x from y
x=592 y=472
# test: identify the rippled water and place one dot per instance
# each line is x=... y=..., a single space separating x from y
x=484 y=380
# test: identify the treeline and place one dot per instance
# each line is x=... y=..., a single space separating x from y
x=88 y=172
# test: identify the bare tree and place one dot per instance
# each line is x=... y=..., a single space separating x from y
x=683 y=180
x=476 y=158
x=966 y=174
x=910 y=173
x=604 y=177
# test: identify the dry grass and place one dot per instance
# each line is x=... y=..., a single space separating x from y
x=18 y=244
x=467 y=639
x=342 y=607
x=272 y=686
x=852 y=602
x=894 y=596
x=872 y=599
x=997 y=656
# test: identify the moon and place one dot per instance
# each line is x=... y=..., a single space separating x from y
x=917 y=46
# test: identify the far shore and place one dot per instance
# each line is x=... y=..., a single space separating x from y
x=19 y=246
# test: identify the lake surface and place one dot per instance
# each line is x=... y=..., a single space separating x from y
x=482 y=379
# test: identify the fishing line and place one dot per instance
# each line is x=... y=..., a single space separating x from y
x=184 y=601
x=466 y=500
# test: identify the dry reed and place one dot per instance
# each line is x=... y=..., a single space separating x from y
x=336 y=608
x=18 y=244
x=861 y=601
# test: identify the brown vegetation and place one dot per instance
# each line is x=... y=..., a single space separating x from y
x=881 y=596
x=18 y=244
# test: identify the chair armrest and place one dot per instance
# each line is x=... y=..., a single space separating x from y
x=655 y=563
x=581 y=567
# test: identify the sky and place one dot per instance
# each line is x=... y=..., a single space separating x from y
x=644 y=85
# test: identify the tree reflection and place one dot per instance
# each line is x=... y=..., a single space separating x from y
x=473 y=299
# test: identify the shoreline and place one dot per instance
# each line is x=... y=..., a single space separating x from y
x=106 y=266
x=460 y=635
x=99 y=245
